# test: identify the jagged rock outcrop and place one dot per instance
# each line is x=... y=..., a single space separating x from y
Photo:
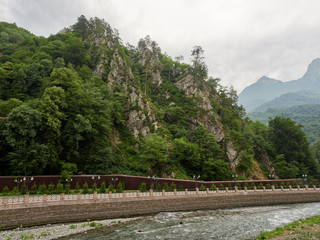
x=139 y=112
x=140 y=120
x=210 y=119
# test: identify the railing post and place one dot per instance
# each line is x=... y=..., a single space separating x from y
x=163 y=192
x=186 y=191
x=62 y=197
x=110 y=195
x=281 y=187
x=314 y=187
x=44 y=198
x=124 y=194
x=236 y=188
x=95 y=195
x=226 y=188
x=264 y=188
x=26 y=199
x=207 y=190
x=290 y=187
x=307 y=187
x=298 y=187
x=5 y=202
x=272 y=187
x=151 y=192
x=245 y=188
x=197 y=191
x=175 y=191
x=217 y=189
x=78 y=197
x=254 y=188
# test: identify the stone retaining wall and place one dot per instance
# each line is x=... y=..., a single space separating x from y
x=126 y=207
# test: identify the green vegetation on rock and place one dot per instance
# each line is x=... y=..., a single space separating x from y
x=82 y=101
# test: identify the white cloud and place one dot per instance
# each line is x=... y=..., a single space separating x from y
x=242 y=39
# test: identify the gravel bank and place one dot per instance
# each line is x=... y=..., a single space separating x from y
x=56 y=231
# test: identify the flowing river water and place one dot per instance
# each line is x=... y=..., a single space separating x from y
x=237 y=224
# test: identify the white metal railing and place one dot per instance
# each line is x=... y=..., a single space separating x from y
x=41 y=200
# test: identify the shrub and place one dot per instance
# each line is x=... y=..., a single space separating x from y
x=77 y=188
x=276 y=186
x=119 y=188
x=166 y=187
x=23 y=190
x=14 y=190
x=110 y=188
x=221 y=186
x=246 y=185
x=159 y=188
x=93 y=187
x=252 y=186
x=202 y=187
x=59 y=189
x=180 y=188
x=260 y=186
x=173 y=186
x=238 y=185
x=143 y=187
x=5 y=191
x=94 y=224
x=213 y=187
x=51 y=189
x=123 y=185
x=103 y=187
x=42 y=189
x=85 y=188
x=34 y=189
x=67 y=188
x=152 y=186
x=73 y=226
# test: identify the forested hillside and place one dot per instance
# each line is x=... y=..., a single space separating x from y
x=82 y=101
x=307 y=115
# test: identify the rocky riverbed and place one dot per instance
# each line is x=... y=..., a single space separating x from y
x=56 y=231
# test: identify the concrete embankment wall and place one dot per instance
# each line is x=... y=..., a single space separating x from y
x=29 y=216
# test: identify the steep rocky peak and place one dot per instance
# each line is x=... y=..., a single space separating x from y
x=265 y=79
x=313 y=70
x=314 y=65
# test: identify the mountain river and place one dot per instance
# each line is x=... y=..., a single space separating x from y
x=229 y=224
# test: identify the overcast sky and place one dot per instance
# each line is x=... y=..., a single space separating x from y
x=242 y=39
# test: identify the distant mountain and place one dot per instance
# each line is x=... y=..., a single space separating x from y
x=291 y=99
x=267 y=89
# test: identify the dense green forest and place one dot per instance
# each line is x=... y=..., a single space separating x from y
x=307 y=115
x=82 y=101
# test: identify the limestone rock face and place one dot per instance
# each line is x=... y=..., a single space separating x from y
x=210 y=119
x=118 y=73
x=232 y=156
x=139 y=109
x=139 y=120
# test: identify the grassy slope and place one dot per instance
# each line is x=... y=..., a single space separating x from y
x=302 y=229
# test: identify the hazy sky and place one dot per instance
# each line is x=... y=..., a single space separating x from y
x=242 y=39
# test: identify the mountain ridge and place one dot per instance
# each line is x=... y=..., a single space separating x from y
x=266 y=89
